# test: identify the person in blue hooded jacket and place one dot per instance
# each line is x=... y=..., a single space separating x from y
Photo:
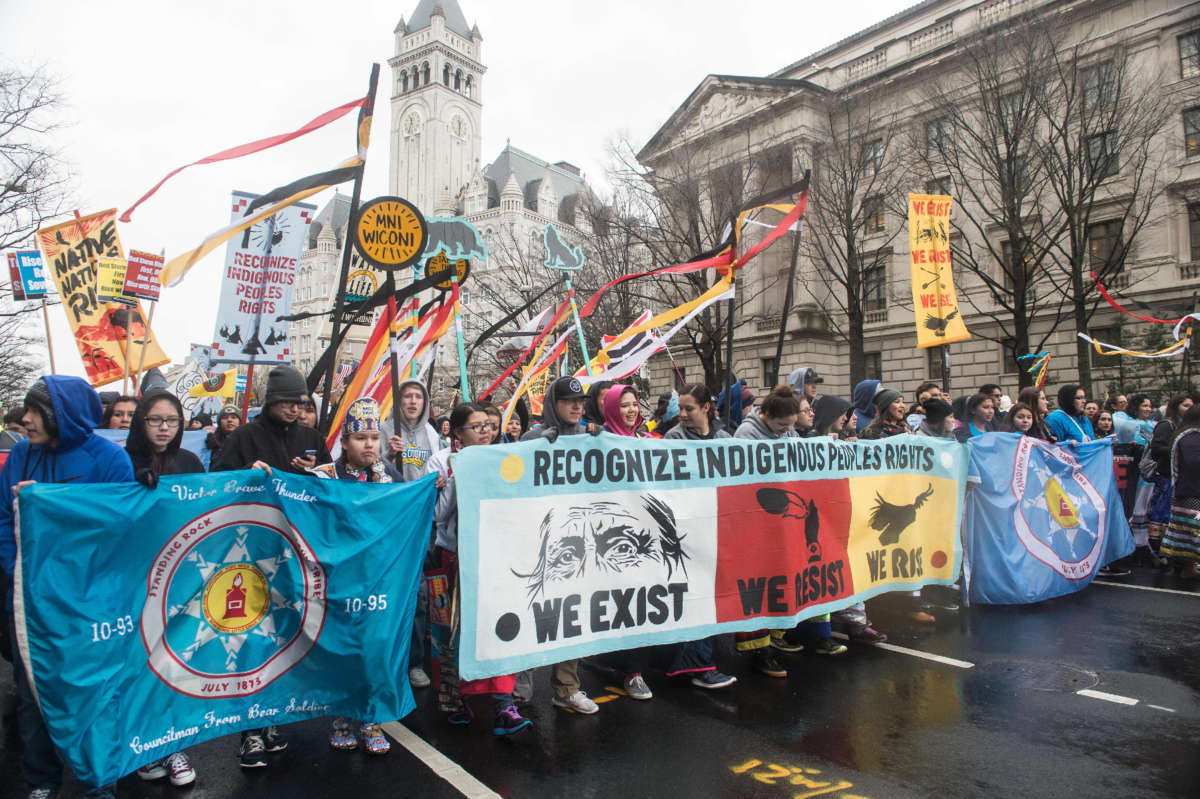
x=60 y=415
x=864 y=402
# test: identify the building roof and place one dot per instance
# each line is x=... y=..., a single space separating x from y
x=455 y=19
x=335 y=213
x=527 y=169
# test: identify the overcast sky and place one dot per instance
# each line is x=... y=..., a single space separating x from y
x=149 y=86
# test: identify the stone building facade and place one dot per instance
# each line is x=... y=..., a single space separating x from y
x=753 y=120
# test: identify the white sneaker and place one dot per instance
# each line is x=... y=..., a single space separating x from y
x=153 y=771
x=636 y=687
x=41 y=793
x=181 y=769
x=577 y=702
x=418 y=678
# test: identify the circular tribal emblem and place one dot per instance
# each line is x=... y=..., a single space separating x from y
x=1060 y=516
x=235 y=598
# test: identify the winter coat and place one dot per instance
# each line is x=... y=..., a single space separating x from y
x=864 y=402
x=1160 y=446
x=684 y=432
x=78 y=456
x=420 y=438
x=1185 y=465
x=175 y=459
x=826 y=410
x=551 y=422
x=754 y=427
x=272 y=442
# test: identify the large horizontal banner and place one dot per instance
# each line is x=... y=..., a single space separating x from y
x=596 y=544
x=1042 y=518
x=156 y=619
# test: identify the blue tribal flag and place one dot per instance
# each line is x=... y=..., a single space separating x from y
x=152 y=620
x=1042 y=518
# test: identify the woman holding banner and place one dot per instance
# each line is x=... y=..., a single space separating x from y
x=697 y=415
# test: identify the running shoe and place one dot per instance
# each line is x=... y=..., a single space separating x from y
x=461 y=717
x=374 y=741
x=768 y=665
x=868 y=635
x=712 y=680
x=153 y=771
x=577 y=702
x=782 y=644
x=417 y=677
x=341 y=735
x=828 y=646
x=273 y=740
x=636 y=687
x=180 y=768
x=253 y=754
x=509 y=721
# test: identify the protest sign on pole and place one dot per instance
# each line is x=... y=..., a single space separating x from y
x=251 y=604
x=259 y=275
x=935 y=302
x=33 y=273
x=14 y=279
x=101 y=331
x=141 y=275
x=110 y=281
x=597 y=544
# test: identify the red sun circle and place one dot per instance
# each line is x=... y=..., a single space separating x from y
x=938 y=559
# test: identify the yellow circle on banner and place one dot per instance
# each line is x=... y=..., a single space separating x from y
x=439 y=265
x=512 y=468
x=389 y=232
x=236 y=598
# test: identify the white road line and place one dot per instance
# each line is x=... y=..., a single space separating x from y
x=1115 y=698
x=1160 y=707
x=441 y=765
x=958 y=664
x=1148 y=588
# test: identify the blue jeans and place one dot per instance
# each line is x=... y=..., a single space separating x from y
x=40 y=764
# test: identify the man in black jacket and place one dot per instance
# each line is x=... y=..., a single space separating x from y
x=274 y=438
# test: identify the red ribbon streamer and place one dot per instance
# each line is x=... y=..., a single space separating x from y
x=253 y=147
x=1104 y=293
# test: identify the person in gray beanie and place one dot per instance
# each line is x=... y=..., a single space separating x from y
x=890 y=411
x=274 y=439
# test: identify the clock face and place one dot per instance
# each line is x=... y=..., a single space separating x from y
x=412 y=124
x=458 y=127
x=258 y=232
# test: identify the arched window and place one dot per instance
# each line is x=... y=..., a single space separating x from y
x=467 y=86
x=425 y=73
x=404 y=81
x=457 y=80
x=416 y=76
x=446 y=75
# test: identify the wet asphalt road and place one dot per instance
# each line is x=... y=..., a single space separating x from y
x=999 y=718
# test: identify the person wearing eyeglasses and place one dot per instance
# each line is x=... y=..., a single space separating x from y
x=276 y=439
x=155 y=436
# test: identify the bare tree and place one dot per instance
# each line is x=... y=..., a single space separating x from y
x=981 y=143
x=33 y=177
x=19 y=362
x=858 y=177
x=1104 y=171
x=680 y=206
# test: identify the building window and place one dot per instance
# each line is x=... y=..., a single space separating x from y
x=1008 y=356
x=873 y=218
x=1104 y=245
x=1189 y=55
x=726 y=187
x=1099 y=85
x=1191 y=131
x=872 y=156
x=445 y=74
x=934 y=365
x=1103 y=157
x=937 y=136
x=404 y=81
x=770 y=372
x=938 y=186
x=1194 y=229
x=875 y=288
x=873 y=365
x=464 y=295
x=1108 y=335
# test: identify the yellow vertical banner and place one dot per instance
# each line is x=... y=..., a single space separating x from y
x=102 y=331
x=935 y=303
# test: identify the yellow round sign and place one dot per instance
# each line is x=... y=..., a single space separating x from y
x=439 y=264
x=389 y=232
x=236 y=598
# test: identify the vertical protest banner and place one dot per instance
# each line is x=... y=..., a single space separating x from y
x=259 y=275
x=101 y=331
x=935 y=303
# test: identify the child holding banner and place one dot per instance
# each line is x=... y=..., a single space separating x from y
x=360 y=462
x=469 y=426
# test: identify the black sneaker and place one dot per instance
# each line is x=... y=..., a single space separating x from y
x=273 y=740
x=509 y=721
x=252 y=754
x=768 y=665
x=712 y=680
x=1113 y=571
